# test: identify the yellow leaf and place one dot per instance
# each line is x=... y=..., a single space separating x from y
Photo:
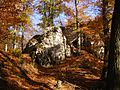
x=23 y=0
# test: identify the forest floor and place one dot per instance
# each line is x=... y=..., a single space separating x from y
x=75 y=73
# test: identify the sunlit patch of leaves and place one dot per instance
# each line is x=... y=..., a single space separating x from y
x=71 y=70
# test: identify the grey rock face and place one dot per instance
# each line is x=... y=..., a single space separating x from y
x=49 y=48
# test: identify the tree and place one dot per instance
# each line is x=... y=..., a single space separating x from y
x=49 y=10
x=77 y=25
x=76 y=15
x=106 y=8
x=106 y=34
x=13 y=14
x=105 y=26
x=113 y=76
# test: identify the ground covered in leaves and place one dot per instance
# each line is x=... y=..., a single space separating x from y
x=75 y=73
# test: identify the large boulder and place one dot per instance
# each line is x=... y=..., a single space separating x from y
x=49 y=48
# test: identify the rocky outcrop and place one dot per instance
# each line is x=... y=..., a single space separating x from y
x=49 y=48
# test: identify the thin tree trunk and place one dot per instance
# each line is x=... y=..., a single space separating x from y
x=45 y=21
x=76 y=16
x=22 y=39
x=113 y=76
x=14 y=39
x=105 y=27
x=51 y=13
x=77 y=26
x=106 y=36
x=6 y=47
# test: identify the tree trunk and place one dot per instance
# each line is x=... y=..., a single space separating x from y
x=106 y=35
x=22 y=39
x=45 y=20
x=76 y=16
x=14 y=39
x=77 y=26
x=113 y=76
x=6 y=47
x=51 y=13
x=105 y=27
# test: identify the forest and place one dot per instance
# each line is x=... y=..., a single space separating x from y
x=59 y=44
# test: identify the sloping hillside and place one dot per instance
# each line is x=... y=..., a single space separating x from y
x=75 y=73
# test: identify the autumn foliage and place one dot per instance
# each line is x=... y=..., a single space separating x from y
x=22 y=73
